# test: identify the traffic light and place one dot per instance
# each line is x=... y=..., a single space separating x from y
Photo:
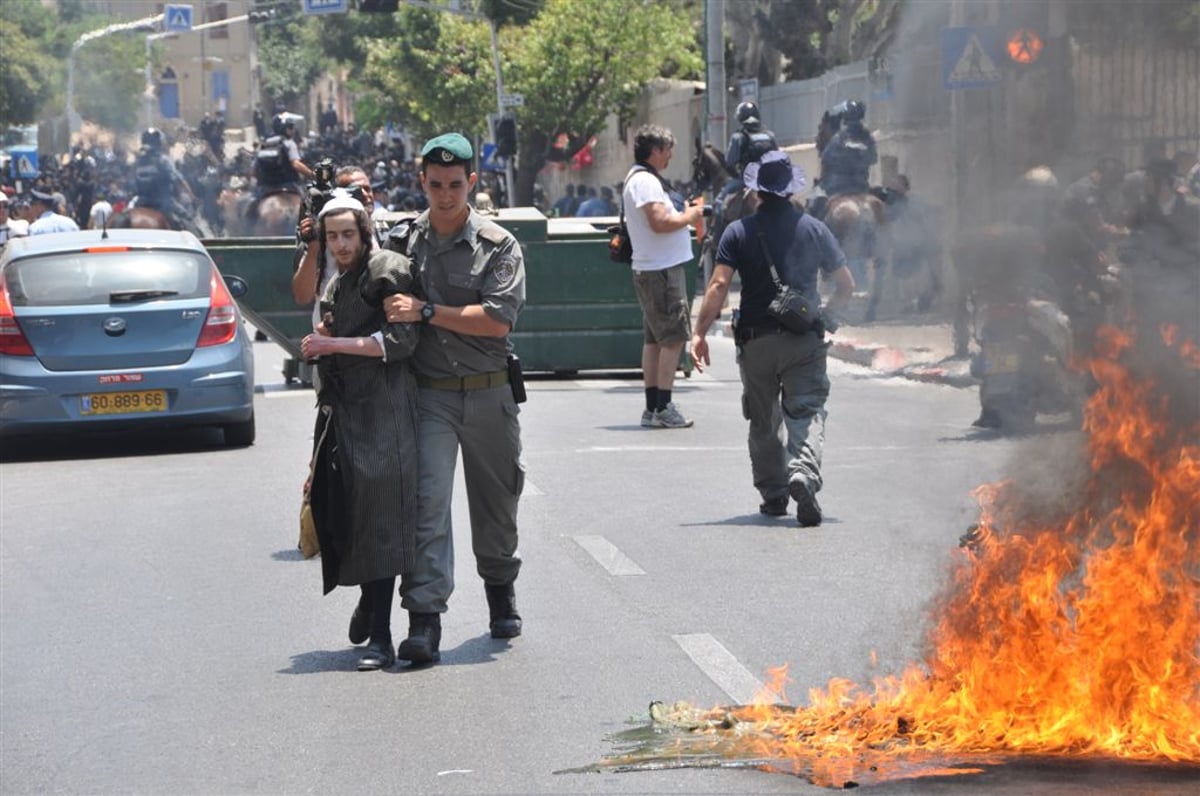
x=506 y=136
x=264 y=15
x=379 y=6
x=1023 y=27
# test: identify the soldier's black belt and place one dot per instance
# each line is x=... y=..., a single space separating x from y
x=476 y=381
x=745 y=334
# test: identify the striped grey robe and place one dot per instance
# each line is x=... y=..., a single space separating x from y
x=364 y=491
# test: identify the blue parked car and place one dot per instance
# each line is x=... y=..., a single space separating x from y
x=117 y=329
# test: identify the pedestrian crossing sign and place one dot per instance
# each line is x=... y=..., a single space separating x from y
x=970 y=57
x=177 y=17
x=24 y=163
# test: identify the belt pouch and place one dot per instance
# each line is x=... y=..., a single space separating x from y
x=516 y=379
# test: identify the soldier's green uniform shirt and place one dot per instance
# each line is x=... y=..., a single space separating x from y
x=482 y=264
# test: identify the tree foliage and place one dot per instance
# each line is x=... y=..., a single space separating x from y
x=26 y=78
x=578 y=62
x=575 y=62
x=37 y=41
x=437 y=72
x=292 y=58
x=775 y=40
x=110 y=80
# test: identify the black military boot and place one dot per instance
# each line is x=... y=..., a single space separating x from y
x=424 y=636
x=502 y=605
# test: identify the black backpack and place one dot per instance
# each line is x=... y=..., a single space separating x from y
x=272 y=162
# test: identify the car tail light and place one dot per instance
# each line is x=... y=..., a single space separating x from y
x=221 y=324
x=12 y=339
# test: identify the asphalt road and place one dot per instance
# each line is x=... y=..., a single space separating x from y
x=159 y=633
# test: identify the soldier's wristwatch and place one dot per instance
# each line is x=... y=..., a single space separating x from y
x=427 y=312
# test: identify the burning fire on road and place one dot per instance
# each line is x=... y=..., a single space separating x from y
x=1073 y=638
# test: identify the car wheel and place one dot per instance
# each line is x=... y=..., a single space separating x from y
x=239 y=435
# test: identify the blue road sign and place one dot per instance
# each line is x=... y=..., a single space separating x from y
x=489 y=160
x=177 y=17
x=24 y=163
x=971 y=57
x=324 y=6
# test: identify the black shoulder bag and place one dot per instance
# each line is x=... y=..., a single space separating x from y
x=789 y=308
x=620 y=247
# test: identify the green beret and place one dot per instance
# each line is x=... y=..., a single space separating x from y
x=453 y=148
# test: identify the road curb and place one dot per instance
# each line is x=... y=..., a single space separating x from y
x=884 y=359
x=871 y=355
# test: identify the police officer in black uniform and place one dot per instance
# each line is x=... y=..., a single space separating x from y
x=749 y=143
x=159 y=182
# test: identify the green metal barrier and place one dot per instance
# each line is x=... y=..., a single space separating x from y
x=581 y=312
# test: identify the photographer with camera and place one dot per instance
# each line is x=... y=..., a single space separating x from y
x=307 y=282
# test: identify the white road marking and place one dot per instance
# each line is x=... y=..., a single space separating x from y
x=659 y=448
x=721 y=667
x=608 y=556
x=285 y=392
x=530 y=489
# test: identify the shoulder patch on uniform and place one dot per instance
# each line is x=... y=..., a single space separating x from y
x=505 y=268
x=397 y=237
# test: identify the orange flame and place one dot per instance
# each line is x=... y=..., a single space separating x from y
x=1076 y=639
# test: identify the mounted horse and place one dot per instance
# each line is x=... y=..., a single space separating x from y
x=140 y=218
x=275 y=215
x=858 y=221
x=710 y=173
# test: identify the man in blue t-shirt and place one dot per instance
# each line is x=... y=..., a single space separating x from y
x=780 y=369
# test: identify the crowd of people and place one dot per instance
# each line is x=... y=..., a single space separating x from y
x=193 y=177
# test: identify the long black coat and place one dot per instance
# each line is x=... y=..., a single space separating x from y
x=364 y=489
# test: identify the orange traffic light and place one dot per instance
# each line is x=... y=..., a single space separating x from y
x=1025 y=46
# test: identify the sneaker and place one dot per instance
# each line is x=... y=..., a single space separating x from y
x=648 y=419
x=669 y=417
x=808 y=511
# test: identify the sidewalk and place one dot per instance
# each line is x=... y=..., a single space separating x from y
x=917 y=347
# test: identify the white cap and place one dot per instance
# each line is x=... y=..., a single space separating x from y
x=340 y=199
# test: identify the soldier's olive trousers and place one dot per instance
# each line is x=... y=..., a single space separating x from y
x=484 y=424
x=784 y=387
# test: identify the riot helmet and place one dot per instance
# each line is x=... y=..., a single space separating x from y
x=855 y=111
x=280 y=124
x=152 y=139
x=747 y=111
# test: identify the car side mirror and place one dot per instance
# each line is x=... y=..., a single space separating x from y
x=237 y=286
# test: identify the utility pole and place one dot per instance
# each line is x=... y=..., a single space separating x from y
x=508 y=161
x=714 y=48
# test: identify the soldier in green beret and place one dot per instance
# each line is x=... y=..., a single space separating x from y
x=472 y=287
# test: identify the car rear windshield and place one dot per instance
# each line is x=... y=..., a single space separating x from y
x=107 y=277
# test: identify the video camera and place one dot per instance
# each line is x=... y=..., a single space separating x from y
x=319 y=189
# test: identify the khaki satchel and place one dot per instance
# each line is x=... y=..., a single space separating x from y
x=309 y=544
x=790 y=308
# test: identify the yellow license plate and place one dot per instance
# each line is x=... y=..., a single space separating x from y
x=123 y=403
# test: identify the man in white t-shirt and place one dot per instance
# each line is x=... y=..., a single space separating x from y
x=662 y=248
